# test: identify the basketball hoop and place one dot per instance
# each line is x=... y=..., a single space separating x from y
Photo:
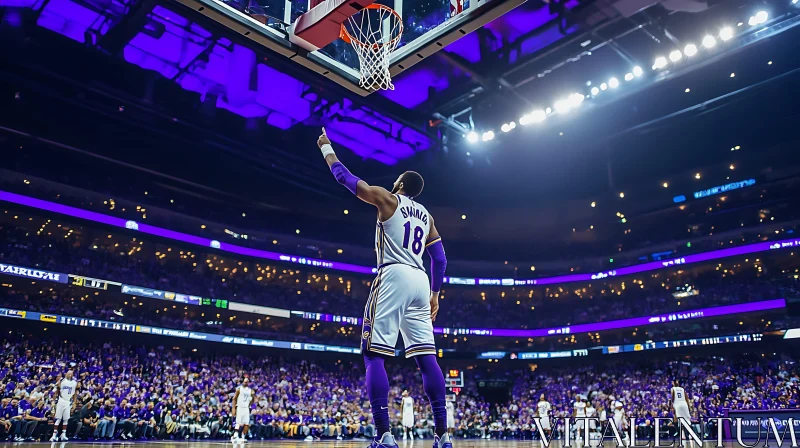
x=374 y=32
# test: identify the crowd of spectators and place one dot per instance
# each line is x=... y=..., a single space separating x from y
x=168 y=267
x=137 y=392
x=170 y=208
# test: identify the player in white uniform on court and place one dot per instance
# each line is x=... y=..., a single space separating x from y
x=619 y=419
x=591 y=412
x=579 y=414
x=402 y=301
x=408 y=416
x=66 y=390
x=544 y=407
x=680 y=405
x=451 y=417
x=243 y=399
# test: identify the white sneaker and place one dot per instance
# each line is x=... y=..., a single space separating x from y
x=309 y=439
x=339 y=437
x=388 y=440
x=234 y=439
x=54 y=438
x=405 y=435
x=63 y=438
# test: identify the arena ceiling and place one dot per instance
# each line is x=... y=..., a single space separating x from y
x=139 y=83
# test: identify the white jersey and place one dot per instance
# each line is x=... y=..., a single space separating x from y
x=544 y=408
x=402 y=237
x=580 y=409
x=67 y=390
x=679 y=395
x=619 y=417
x=451 y=414
x=408 y=406
x=245 y=396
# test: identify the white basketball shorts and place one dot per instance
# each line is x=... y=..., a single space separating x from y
x=242 y=416
x=408 y=419
x=451 y=421
x=399 y=302
x=62 y=411
x=682 y=411
x=545 y=422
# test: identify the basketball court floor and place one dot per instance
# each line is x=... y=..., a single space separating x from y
x=467 y=443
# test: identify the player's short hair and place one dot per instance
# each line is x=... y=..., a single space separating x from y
x=412 y=183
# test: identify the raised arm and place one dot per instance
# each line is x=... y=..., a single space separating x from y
x=435 y=250
x=380 y=197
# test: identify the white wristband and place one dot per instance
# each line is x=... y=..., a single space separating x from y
x=326 y=150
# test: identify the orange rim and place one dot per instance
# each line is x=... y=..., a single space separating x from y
x=347 y=37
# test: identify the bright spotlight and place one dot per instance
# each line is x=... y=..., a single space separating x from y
x=637 y=71
x=709 y=41
x=690 y=50
x=488 y=135
x=595 y=91
x=561 y=106
x=508 y=126
x=675 y=56
x=576 y=99
x=613 y=83
x=794 y=2
x=603 y=86
x=538 y=116
x=758 y=19
x=660 y=62
x=726 y=33
x=472 y=137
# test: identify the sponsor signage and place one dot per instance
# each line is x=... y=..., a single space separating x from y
x=36 y=274
x=133 y=328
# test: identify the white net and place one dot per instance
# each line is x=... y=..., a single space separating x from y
x=374 y=32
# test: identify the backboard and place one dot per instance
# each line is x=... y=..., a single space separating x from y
x=429 y=26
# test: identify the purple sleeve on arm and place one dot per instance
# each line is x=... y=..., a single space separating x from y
x=344 y=177
x=438 y=264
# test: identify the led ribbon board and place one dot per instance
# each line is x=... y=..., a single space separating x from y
x=347 y=267
x=139 y=291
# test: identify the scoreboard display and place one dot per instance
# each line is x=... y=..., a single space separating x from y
x=454 y=379
x=88 y=282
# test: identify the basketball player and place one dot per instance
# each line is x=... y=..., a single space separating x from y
x=401 y=301
x=579 y=414
x=66 y=390
x=680 y=405
x=408 y=415
x=619 y=419
x=451 y=417
x=591 y=412
x=544 y=408
x=243 y=399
